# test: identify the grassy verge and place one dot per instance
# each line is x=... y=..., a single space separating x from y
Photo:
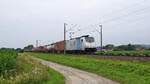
x=56 y=78
x=125 y=53
x=125 y=72
x=51 y=76
x=29 y=71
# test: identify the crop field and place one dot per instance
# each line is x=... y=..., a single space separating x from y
x=125 y=72
x=125 y=53
x=21 y=69
x=7 y=61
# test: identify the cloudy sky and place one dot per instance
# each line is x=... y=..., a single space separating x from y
x=24 y=21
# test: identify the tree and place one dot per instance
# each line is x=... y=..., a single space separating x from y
x=28 y=48
x=131 y=47
x=19 y=50
x=109 y=47
x=3 y=48
x=128 y=47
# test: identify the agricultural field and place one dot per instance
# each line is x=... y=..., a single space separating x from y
x=8 y=60
x=21 y=69
x=125 y=72
x=125 y=53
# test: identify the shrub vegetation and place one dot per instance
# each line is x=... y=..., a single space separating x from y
x=7 y=62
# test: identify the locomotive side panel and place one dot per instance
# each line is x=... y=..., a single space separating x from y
x=71 y=45
x=78 y=44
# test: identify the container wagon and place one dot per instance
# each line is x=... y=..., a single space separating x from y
x=59 y=47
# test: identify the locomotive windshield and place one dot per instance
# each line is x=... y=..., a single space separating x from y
x=89 y=39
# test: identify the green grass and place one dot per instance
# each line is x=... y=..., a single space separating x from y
x=125 y=72
x=56 y=77
x=29 y=71
x=125 y=53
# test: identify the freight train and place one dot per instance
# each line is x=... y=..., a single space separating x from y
x=83 y=44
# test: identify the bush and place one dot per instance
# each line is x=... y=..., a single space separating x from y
x=7 y=62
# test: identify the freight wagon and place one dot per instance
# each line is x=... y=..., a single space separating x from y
x=40 y=49
x=59 y=46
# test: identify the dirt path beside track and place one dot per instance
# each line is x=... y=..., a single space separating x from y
x=75 y=76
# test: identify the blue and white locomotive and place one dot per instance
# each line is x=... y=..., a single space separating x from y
x=81 y=44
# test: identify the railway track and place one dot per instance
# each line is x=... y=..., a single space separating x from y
x=128 y=58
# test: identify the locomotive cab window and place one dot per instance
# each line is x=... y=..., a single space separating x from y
x=81 y=40
x=89 y=39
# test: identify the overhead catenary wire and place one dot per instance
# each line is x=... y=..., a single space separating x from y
x=129 y=21
x=125 y=8
x=128 y=14
x=119 y=17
